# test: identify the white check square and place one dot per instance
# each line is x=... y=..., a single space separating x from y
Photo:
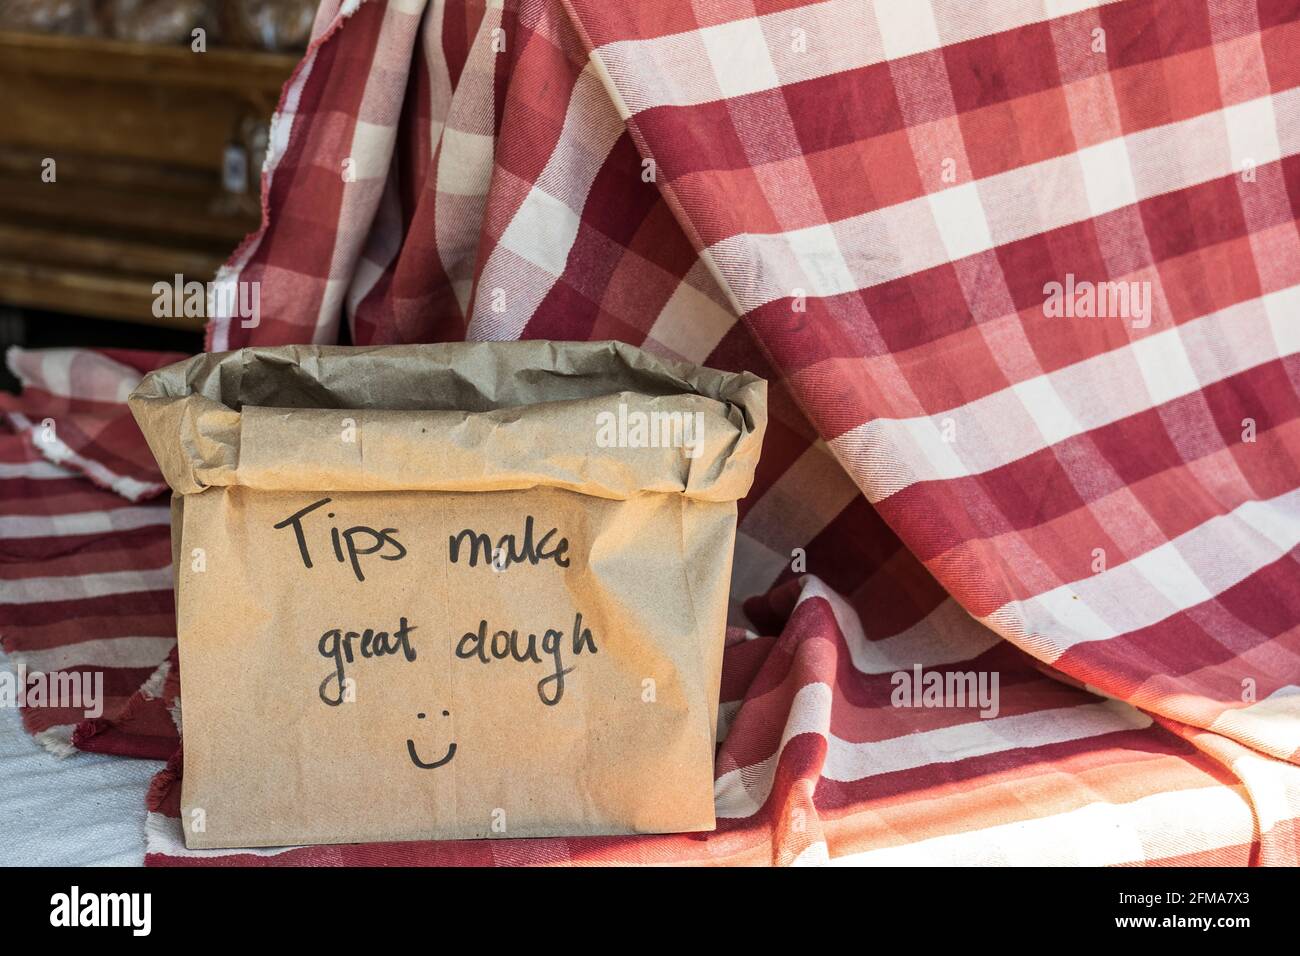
x=1054 y=420
x=1108 y=176
x=817 y=251
x=1283 y=310
x=1166 y=571
x=542 y=232
x=963 y=227
x=1165 y=367
x=906 y=27
x=465 y=163
x=740 y=58
x=1252 y=133
x=1067 y=616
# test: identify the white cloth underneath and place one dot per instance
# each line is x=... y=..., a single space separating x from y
x=83 y=810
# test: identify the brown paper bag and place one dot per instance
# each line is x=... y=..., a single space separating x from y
x=449 y=591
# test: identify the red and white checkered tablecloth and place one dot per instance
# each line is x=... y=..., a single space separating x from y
x=876 y=205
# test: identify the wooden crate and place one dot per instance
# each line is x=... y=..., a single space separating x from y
x=139 y=134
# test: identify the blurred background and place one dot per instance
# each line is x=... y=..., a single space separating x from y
x=131 y=152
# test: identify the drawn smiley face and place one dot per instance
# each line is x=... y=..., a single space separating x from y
x=424 y=764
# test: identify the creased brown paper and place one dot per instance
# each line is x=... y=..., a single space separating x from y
x=449 y=591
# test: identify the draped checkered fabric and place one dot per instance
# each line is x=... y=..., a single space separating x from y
x=1025 y=277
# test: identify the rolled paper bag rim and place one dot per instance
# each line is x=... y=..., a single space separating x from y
x=599 y=418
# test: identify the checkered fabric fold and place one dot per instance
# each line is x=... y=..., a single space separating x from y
x=1025 y=277
x=85 y=565
x=869 y=202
